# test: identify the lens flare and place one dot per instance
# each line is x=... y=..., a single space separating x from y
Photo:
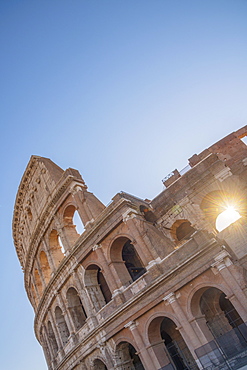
x=226 y=218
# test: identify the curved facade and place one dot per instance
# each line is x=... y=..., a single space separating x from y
x=148 y=285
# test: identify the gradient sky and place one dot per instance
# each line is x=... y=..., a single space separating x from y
x=125 y=91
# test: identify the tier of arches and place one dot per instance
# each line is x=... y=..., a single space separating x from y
x=58 y=241
x=166 y=341
x=124 y=262
x=54 y=247
x=68 y=317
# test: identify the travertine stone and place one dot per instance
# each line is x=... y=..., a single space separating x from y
x=144 y=276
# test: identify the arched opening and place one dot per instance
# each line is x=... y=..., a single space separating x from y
x=127 y=358
x=125 y=260
x=182 y=230
x=221 y=209
x=62 y=326
x=76 y=308
x=148 y=214
x=224 y=322
x=38 y=282
x=97 y=287
x=104 y=286
x=99 y=365
x=176 y=347
x=56 y=248
x=60 y=242
x=45 y=267
x=69 y=226
x=52 y=339
x=132 y=261
x=169 y=346
x=78 y=223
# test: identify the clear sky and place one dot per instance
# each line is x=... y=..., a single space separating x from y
x=124 y=91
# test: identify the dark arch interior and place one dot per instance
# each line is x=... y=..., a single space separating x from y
x=179 y=354
x=132 y=261
x=184 y=231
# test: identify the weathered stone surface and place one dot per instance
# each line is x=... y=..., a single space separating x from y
x=147 y=283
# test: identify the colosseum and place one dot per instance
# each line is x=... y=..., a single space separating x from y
x=147 y=284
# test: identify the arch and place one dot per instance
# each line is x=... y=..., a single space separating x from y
x=168 y=344
x=132 y=261
x=99 y=365
x=78 y=223
x=76 y=308
x=220 y=315
x=157 y=314
x=126 y=260
x=127 y=358
x=97 y=286
x=62 y=326
x=55 y=247
x=52 y=338
x=69 y=226
x=45 y=267
x=182 y=230
x=116 y=248
x=194 y=297
x=38 y=282
x=220 y=322
x=216 y=203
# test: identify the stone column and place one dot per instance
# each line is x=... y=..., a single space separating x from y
x=56 y=332
x=120 y=274
x=62 y=235
x=89 y=206
x=201 y=329
x=237 y=297
x=78 y=195
x=186 y=330
x=90 y=311
x=102 y=345
x=131 y=218
x=158 y=354
x=49 y=257
x=50 y=349
x=111 y=280
x=67 y=317
x=140 y=346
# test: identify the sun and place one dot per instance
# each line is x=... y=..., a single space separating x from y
x=226 y=218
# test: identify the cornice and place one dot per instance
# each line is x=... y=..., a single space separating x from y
x=18 y=207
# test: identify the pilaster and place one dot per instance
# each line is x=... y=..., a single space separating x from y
x=140 y=345
x=237 y=297
x=185 y=328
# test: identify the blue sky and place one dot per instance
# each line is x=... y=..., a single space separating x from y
x=124 y=91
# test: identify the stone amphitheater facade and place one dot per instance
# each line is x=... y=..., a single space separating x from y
x=148 y=285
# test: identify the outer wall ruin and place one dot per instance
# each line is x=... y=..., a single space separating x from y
x=148 y=285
